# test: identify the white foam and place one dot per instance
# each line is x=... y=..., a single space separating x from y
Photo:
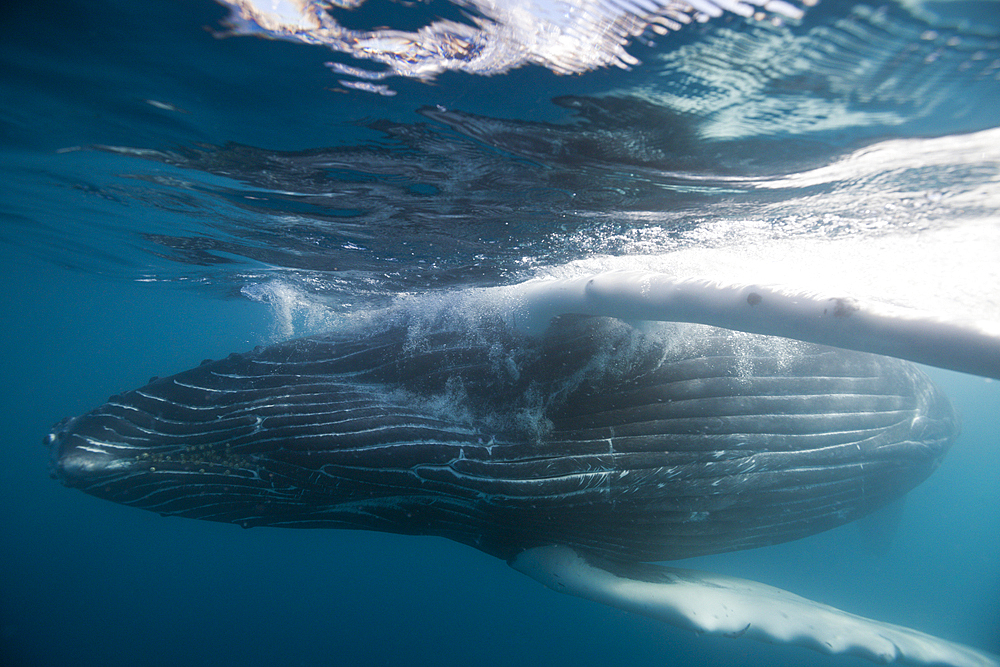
x=296 y=310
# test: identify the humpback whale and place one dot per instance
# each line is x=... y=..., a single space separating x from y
x=578 y=446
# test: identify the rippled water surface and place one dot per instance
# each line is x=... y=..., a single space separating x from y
x=184 y=179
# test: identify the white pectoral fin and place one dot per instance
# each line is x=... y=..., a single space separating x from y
x=717 y=604
x=964 y=346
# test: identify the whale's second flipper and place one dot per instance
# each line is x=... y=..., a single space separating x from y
x=717 y=604
x=964 y=346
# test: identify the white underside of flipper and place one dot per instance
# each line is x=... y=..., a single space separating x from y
x=720 y=605
x=964 y=346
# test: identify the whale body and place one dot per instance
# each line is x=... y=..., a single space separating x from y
x=635 y=445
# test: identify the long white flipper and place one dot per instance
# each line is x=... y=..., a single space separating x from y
x=968 y=347
x=716 y=604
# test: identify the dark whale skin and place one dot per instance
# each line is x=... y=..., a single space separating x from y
x=635 y=445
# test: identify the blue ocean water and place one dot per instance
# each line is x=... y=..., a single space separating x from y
x=170 y=193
